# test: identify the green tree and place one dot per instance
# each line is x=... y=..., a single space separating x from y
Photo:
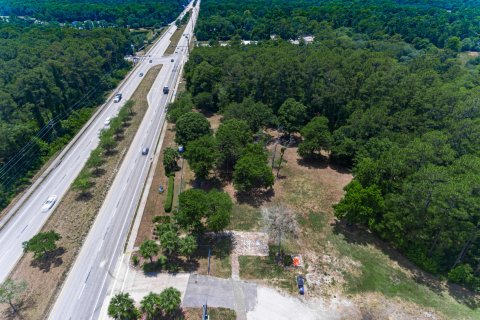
x=187 y=245
x=83 y=182
x=183 y=104
x=218 y=211
x=122 y=307
x=192 y=205
x=151 y=305
x=170 y=299
x=205 y=101
x=129 y=106
x=149 y=249
x=169 y=241
x=453 y=43
x=256 y=114
x=202 y=155
x=11 y=291
x=252 y=171
x=116 y=126
x=170 y=158
x=316 y=137
x=462 y=274
x=95 y=160
x=41 y=244
x=360 y=205
x=292 y=115
x=191 y=126
x=200 y=211
x=107 y=142
x=232 y=136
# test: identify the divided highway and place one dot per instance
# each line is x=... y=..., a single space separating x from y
x=26 y=218
x=85 y=287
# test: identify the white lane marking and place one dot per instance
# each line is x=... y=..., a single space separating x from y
x=81 y=292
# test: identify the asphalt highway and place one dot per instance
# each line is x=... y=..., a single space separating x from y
x=83 y=292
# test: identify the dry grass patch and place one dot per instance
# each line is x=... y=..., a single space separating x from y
x=73 y=218
x=213 y=313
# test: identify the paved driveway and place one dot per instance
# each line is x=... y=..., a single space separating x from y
x=219 y=293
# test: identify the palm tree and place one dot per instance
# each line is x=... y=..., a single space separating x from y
x=188 y=245
x=150 y=305
x=122 y=307
x=170 y=299
x=148 y=249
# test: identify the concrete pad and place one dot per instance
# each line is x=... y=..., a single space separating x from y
x=217 y=292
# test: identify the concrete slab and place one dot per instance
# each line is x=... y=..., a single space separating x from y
x=218 y=293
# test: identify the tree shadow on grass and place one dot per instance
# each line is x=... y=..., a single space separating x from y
x=21 y=306
x=53 y=259
x=110 y=153
x=85 y=196
x=319 y=162
x=255 y=198
x=209 y=184
x=360 y=236
x=322 y=162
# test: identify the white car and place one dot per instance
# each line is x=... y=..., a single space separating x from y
x=107 y=122
x=47 y=205
x=118 y=97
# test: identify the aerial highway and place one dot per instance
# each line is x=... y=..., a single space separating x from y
x=83 y=292
x=26 y=218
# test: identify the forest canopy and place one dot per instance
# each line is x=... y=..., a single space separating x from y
x=51 y=78
x=442 y=23
x=402 y=110
x=132 y=13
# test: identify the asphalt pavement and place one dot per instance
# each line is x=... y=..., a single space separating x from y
x=85 y=287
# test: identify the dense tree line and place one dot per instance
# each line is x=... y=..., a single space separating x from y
x=406 y=119
x=50 y=80
x=132 y=13
x=442 y=23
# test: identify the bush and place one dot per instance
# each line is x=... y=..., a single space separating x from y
x=169 y=201
x=462 y=274
x=135 y=260
x=161 y=219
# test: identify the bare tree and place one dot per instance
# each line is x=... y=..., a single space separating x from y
x=280 y=220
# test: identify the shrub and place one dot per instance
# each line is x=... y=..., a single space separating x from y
x=169 y=201
x=161 y=219
x=135 y=260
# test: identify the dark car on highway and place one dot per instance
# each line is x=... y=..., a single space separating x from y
x=145 y=151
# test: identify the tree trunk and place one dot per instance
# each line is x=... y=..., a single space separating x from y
x=466 y=246
x=14 y=310
x=434 y=244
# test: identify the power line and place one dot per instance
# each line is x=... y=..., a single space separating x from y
x=46 y=129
